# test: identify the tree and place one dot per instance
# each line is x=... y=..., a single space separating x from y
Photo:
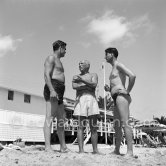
x=101 y=102
x=109 y=103
x=161 y=120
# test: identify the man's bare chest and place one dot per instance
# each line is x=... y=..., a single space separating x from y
x=87 y=77
x=58 y=66
x=114 y=74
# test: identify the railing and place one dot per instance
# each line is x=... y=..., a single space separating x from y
x=72 y=125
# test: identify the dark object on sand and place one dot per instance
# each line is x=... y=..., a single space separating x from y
x=1 y=148
x=19 y=142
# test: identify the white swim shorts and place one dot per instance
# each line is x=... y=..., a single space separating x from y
x=86 y=105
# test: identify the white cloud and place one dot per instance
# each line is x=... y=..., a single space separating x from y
x=7 y=43
x=111 y=28
x=142 y=22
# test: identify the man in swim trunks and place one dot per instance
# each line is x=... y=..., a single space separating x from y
x=53 y=93
x=121 y=97
x=86 y=106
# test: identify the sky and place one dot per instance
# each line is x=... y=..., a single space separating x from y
x=135 y=27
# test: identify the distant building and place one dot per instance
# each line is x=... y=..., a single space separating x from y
x=25 y=102
x=19 y=101
x=133 y=121
x=22 y=114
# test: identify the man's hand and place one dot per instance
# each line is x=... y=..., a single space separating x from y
x=123 y=91
x=54 y=95
x=107 y=88
x=77 y=79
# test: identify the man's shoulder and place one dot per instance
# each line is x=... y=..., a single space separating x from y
x=120 y=65
x=50 y=58
x=93 y=74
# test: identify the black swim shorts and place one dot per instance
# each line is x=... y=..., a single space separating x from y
x=115 y=95
x=59 y=88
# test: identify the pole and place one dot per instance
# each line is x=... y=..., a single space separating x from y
x=105 y=110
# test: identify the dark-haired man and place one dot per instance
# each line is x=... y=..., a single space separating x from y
x=121 y=97
x=53 y=93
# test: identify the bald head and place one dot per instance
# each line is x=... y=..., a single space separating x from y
x=84 y=65
x=85 y=62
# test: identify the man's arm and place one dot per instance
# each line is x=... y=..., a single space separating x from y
x=91 y=83
x=129 y=73
x=77 y=85
x=48 y=67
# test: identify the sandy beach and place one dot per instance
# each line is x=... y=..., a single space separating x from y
x=35 y=155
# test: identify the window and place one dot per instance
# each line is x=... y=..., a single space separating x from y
x=27 y=98
x=10 y=95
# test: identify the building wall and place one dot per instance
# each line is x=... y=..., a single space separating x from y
x=3 y=97
x=36 y=106
x=15 y=125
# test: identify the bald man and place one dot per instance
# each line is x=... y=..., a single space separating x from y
x=86 y=104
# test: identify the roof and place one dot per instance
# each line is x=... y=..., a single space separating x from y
x=29 y=92
x=150 y=126
x=22 y=91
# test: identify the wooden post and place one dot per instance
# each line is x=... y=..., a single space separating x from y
x=105 y=110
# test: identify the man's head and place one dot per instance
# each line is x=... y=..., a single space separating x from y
x=59 y=46
x=111 y=53
x=84 y=65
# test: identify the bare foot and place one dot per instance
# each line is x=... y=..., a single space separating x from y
x=115 y=152
x=130 y=156
x=49 y=150
x=81 y=151
x=65 y=150
x=97 y=152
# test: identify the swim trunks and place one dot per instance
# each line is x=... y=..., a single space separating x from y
x=86 y=105
x=59 y=88
x=115 y=95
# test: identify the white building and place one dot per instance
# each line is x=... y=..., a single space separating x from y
x=22 y=115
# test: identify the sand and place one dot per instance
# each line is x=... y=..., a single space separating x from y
x=35 y=155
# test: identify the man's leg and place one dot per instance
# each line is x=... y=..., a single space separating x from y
x=47 y=126
x=94 y=135
x=60 y=127
x=123 y=109
x=118 y=131
x=80 y=133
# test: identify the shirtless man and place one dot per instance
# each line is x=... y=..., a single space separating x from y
x=121 y=97
x=53 y=93
x=86 y=105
